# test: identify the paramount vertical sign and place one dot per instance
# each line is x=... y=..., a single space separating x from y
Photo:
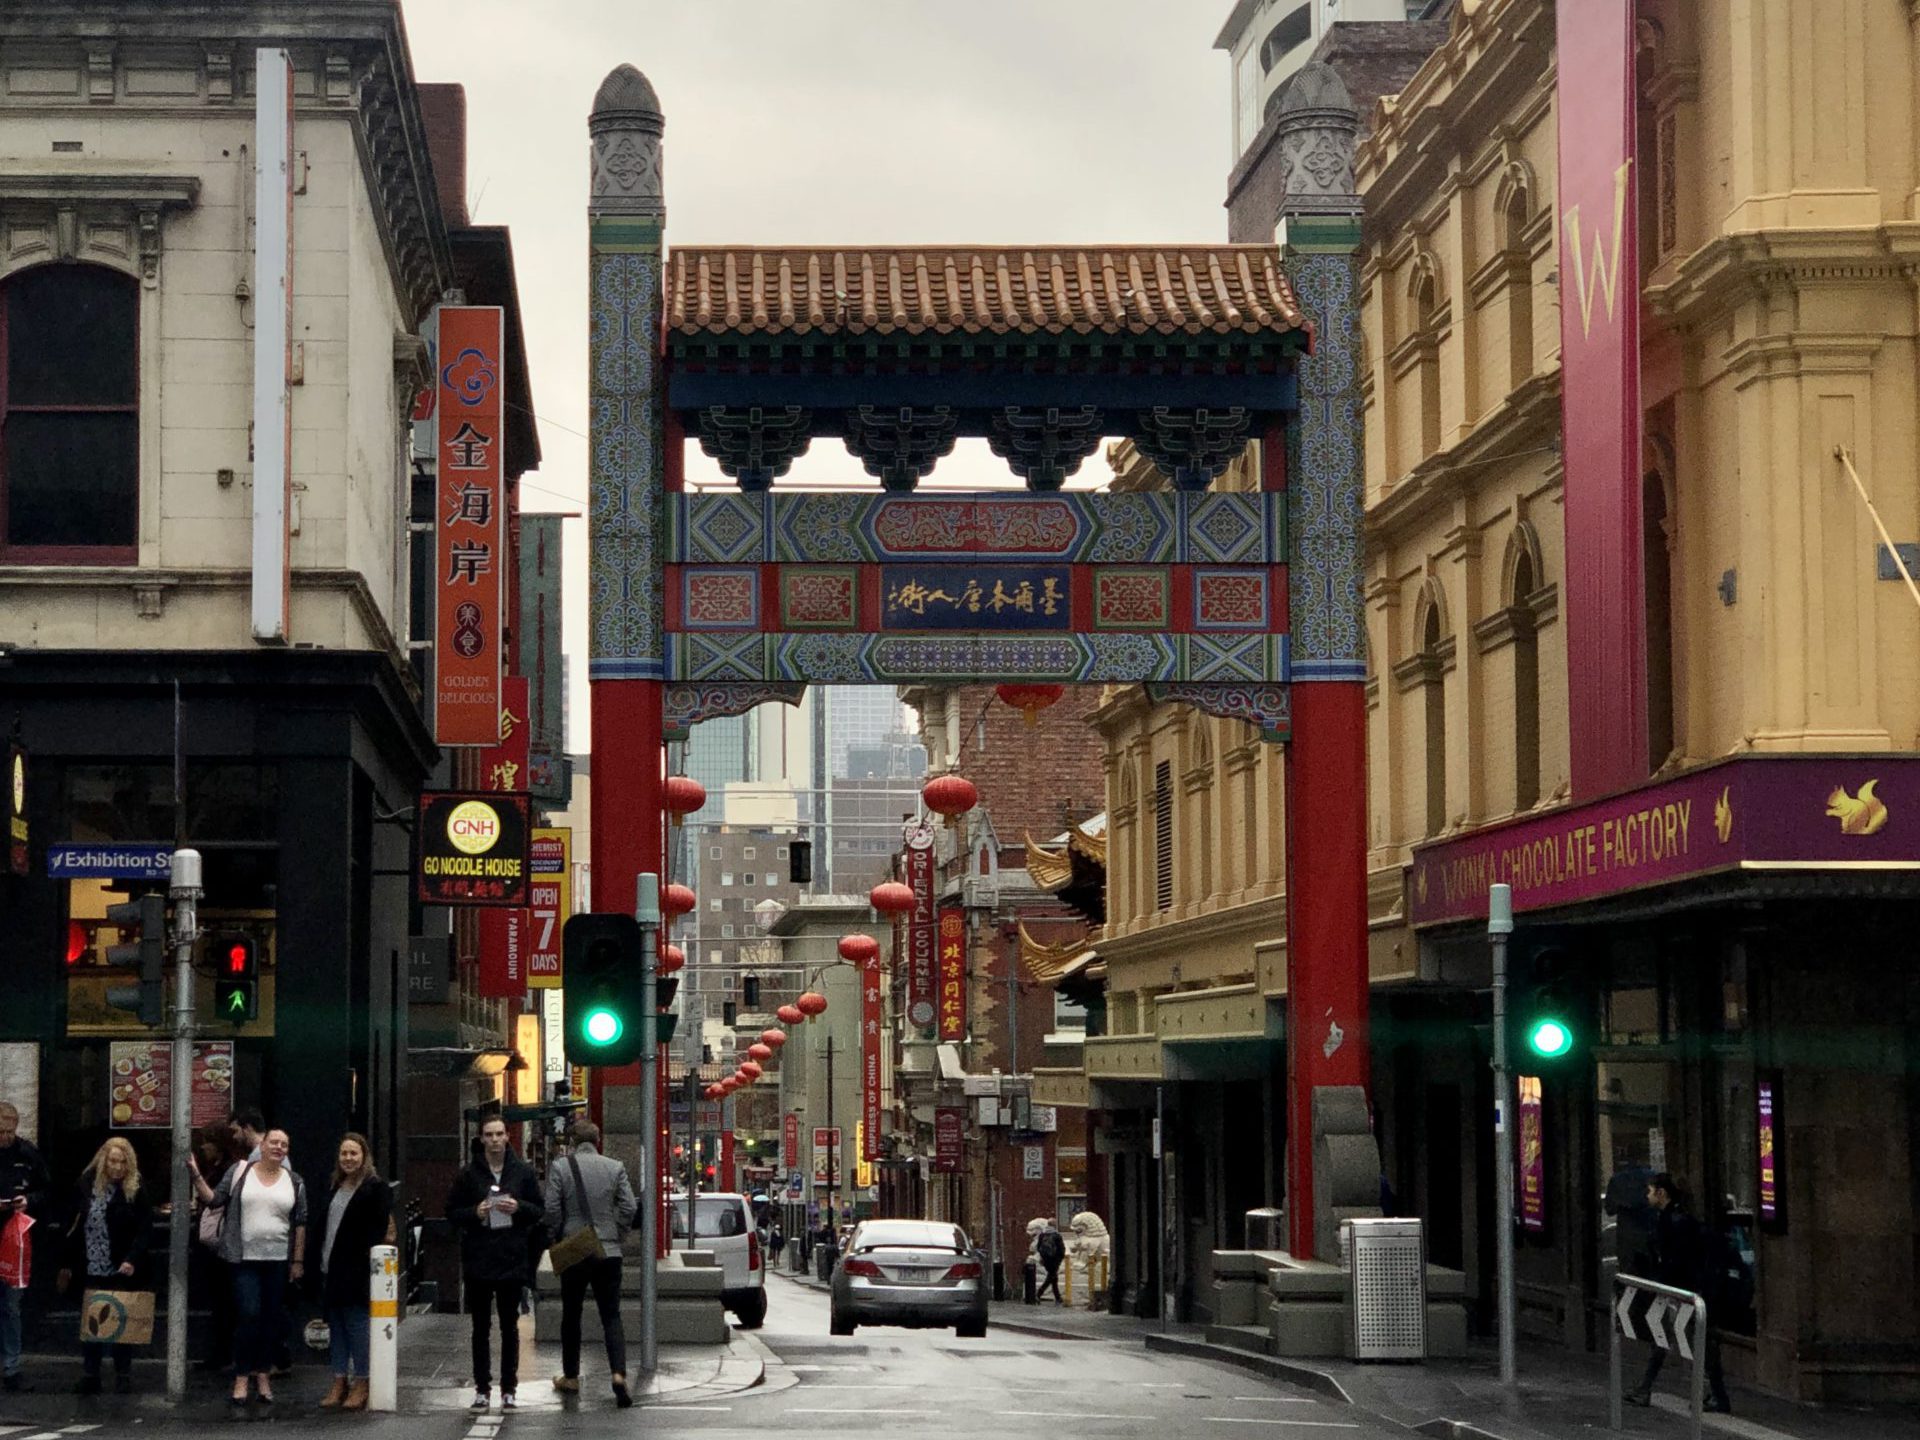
x=1600 y=396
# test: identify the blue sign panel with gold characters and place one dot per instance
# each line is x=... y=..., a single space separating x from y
x=975 y=597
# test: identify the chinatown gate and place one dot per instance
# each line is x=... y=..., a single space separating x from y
x=1244 y=605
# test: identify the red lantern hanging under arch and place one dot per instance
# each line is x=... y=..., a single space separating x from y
x=774 y=1038
x=791 y=1015
x=713 y=1092
x=728 y=1085
x=890 y=897
x=950 y=796
x=677 y=900
x=760 y=1051
x=672 y=958
x=812 y=1003
x=683 y=795
x=858 y=949
x=1030 y=700
x=751 y=1069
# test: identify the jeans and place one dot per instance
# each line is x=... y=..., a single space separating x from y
x=260 y=1314
x=349 y=1336
x=484 y=1299
x=604 y=1276
x=10 y=1328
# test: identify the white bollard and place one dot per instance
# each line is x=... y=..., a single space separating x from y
x=384 y=1354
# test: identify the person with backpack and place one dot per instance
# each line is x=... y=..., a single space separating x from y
x=1050 y=1248
x=495 y=1205
x=1682 y=1255
x=588 y=1190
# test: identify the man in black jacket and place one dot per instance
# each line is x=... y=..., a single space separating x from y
x=1682 y=1257
x=23 y=1187
x=495 y=1204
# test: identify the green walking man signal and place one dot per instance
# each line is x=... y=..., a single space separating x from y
x=236 y=978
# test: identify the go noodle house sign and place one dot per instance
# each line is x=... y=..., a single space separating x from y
x=472 y=848
x=1753 y=813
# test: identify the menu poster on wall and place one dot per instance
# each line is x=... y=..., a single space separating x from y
x=20 y=1084
x=142 y=1079
x=1767 y=1103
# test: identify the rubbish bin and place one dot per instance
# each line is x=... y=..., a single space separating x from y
x=1266 y=1229
x=1389 y=1280
x=823 y=1257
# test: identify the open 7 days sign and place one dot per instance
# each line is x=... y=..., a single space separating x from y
x=471 y=848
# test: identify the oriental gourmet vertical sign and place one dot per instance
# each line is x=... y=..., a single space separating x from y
x=1600 y=396
x=920 y=926
x=953 y=973
x=469 y=526
x=870 y=1058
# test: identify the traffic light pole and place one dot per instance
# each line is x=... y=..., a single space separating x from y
x=1499 y=926
x=185 y=886
x=646 y=910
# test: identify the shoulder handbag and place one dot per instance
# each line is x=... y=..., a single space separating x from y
x=584 y=1244
x=213 y=1223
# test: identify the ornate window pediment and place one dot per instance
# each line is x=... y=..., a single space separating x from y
x=104 y=219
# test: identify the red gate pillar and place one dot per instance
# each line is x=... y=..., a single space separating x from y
x=627 y=465
x=1327 y=1040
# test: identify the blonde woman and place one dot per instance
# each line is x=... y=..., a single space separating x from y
x=107 y=1243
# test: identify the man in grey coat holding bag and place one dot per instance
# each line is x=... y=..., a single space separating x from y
x=590 y=1190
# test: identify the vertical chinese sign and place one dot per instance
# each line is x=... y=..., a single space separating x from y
x=870 y=1058
x=1533 y=1170
x=920 y=926
x=949 y=1139
x=1766 y=1096
x=469 y=528
x=953 y=973
x=505 y=934
x=790 y=1142
x=550 y=902
x=1604 y=601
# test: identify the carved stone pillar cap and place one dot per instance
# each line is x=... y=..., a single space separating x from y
x=626 y=101
x=1317 y=129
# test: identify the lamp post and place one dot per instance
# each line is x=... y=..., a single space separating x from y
x=1499 y=927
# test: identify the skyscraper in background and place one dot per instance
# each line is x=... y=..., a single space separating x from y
x=857 y=715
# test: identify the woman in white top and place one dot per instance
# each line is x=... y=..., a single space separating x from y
x=262 y=1239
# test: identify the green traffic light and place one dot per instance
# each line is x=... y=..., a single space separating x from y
x=1549 y=1038
x=603 y=1027
x=237 y=1002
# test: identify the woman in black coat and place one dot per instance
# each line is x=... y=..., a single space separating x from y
x=340 y=1245
x=107 y=1243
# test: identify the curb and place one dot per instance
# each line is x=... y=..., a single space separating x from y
x=1271 y=1366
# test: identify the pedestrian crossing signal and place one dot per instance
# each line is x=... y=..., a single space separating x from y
x=236 y=978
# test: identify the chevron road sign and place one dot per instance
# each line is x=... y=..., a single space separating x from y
x=1668 y=1318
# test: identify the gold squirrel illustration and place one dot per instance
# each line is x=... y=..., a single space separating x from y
x=1861 y=814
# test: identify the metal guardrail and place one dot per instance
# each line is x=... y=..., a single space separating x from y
x=1669 y=1314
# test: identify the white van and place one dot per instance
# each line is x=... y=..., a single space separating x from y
x=723 y=1224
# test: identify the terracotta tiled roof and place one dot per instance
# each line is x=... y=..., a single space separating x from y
x=974 y=290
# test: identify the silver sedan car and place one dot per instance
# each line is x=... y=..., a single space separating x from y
x=918 y=1273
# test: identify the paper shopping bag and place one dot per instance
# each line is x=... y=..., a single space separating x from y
x=116 y=1317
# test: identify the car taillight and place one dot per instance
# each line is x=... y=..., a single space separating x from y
x=861 y=1267
x=965 y=1270
x=753 y=1251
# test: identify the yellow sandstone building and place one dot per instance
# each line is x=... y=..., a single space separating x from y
x=1731 y=941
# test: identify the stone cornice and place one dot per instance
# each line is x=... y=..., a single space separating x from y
x=354 y=51
x=1523 y=425
x=1733 y=269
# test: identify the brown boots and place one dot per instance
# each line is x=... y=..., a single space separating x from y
x=344 y=1396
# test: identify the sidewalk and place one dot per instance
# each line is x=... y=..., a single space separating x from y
x=435 y=1376
x=1559 y=1396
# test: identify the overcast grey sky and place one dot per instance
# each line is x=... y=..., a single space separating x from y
x=827 y=122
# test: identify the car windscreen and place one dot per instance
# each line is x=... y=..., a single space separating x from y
x=877 y=1234
x=712 y=1219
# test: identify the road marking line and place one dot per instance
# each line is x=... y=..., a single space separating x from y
x=1064 y=1415
x=1263 y=1420
x=669 y=1405
x=1274 y=1400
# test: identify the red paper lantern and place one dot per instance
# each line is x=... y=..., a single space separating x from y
x=775 y=1038
x=683 y=796
x=677 y=900
x=729 y=1085
x=1030 y=700
x=949 y=796
x=812 y=1003
x=751 y=1069
x=760 y=1051
x=791 y=1015
x=672 y=958
x=713 y=1092
x=858 y=948
x=890 y=897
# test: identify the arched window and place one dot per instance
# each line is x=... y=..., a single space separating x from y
x=69 y=416
x=1514 y=205
x=1434 y=699
x=1424 y=293
x=1526 y=683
